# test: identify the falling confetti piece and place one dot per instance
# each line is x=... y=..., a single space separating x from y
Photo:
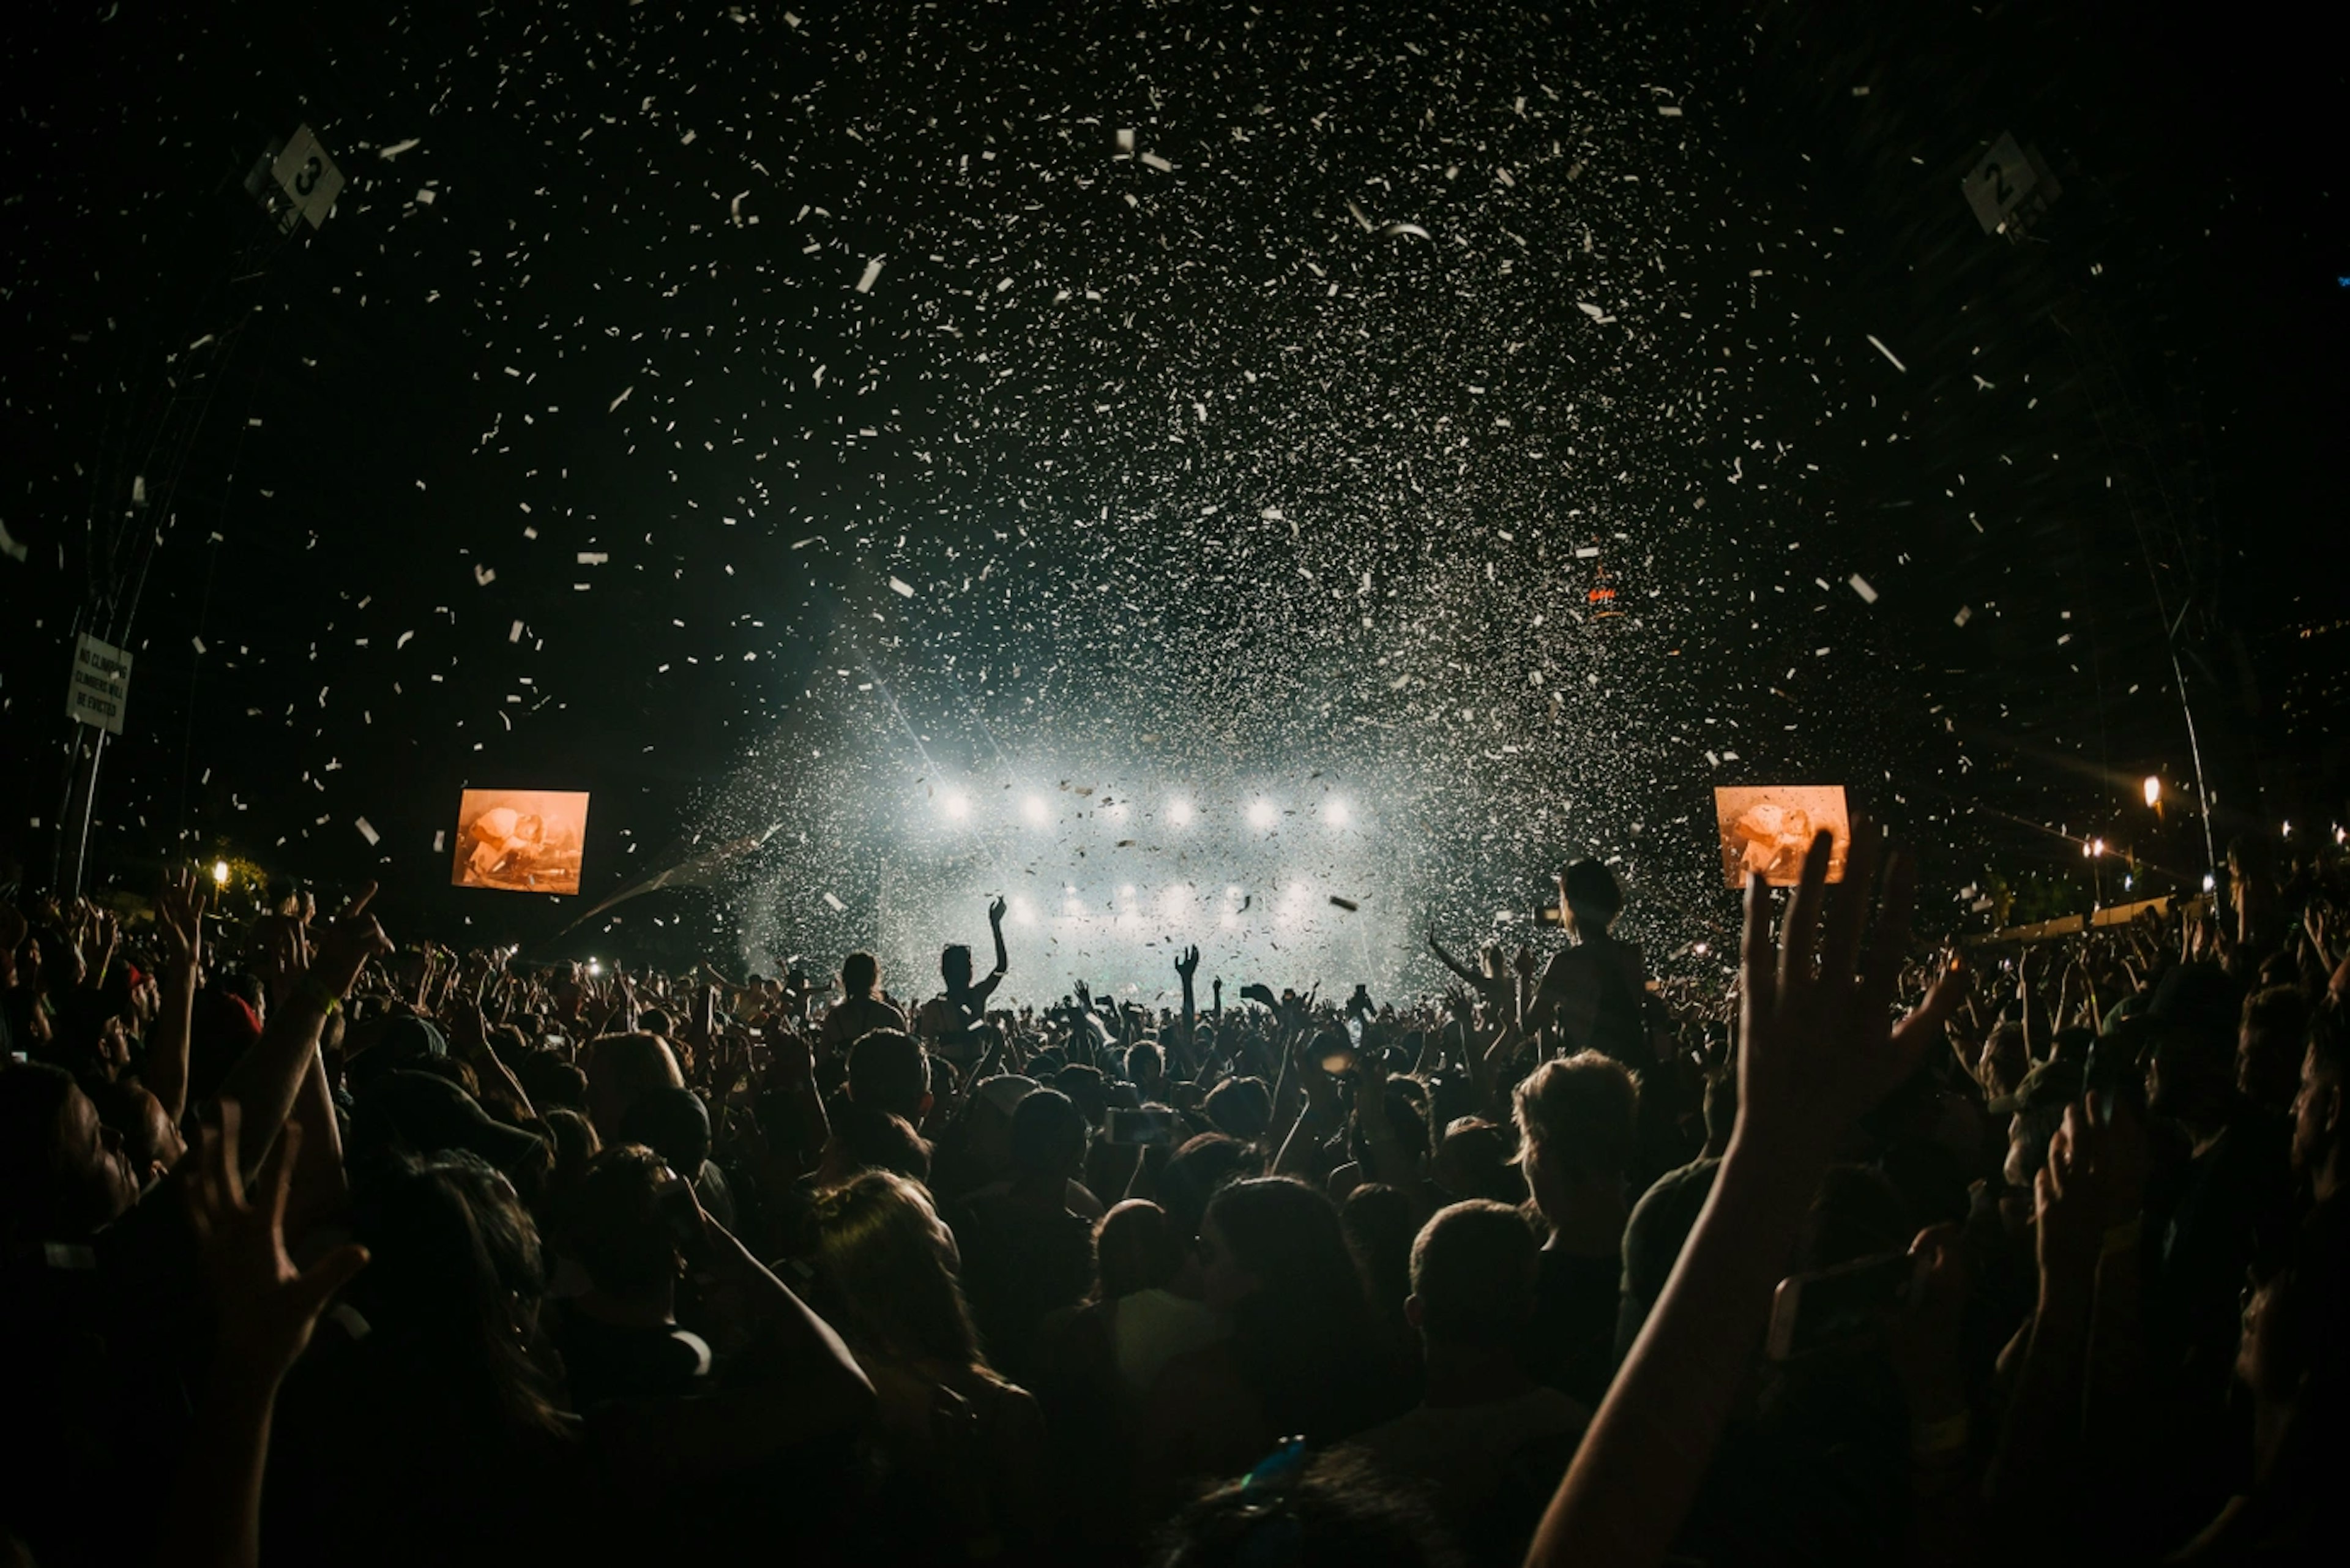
x=1860 y=585
x=1881 y=349
x=904 y=590
x=834 y=902
x=366 y=831
x=613 y=406
x=872 y=275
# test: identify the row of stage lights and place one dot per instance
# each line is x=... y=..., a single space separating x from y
x=1179 y=906
x=1261 y=814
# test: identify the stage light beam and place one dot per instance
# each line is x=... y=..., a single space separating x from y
x=956 y=805
x=1337 y=814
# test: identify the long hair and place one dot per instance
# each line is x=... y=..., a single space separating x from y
x=1303 y=1339
x=453 y=1289
x=886 y=1278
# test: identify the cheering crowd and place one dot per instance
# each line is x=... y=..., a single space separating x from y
x=321 y=1248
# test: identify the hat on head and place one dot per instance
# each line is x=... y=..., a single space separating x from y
x=426 y=1112
x=404 y=1041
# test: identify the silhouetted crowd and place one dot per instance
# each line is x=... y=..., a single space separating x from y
x=319 y=1249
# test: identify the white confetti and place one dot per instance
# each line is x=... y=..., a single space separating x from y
x=397 y=147
x=904 y=590
x=616 y=402
x=1966 y=613
x=836 y=903
x=1881 y=349
x=872 y=275
x=367 y=832
x=1860 y=585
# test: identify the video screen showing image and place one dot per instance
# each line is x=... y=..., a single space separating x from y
x=521 y=841
x=1768 y=829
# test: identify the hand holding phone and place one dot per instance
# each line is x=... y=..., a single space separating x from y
x=1834 y=1307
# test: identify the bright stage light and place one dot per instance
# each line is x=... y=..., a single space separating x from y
x=1126 y=892
x=1180 y=812
x=1264 y=813
x=1034 y=809
x=956 y=805
x=1023 y=912
x=220 y=873
x=1336 y=813
x=2153 y=790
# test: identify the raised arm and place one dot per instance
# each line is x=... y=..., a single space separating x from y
x=179 y=928
x=313 y=983
x=1474 y=979
x=266 y=1310
x=1818 y=1052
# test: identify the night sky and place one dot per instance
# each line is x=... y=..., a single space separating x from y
x=790 y=419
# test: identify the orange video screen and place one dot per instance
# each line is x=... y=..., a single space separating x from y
x=521 y=841
x=1768 y=829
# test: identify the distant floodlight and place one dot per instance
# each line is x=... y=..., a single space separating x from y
x=1126 y=892
x=1180 y=812
x=1264 y=813
x=1336 y=813
x=1023 y=912
x=2207 y=883
x=2097 y=846
x=1034 y=809
x=220 y=873
x=957 y=804
x=2153 y=790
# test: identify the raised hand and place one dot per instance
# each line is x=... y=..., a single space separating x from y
x=995 y=909
x=1188 y=964
x=343 y=946
x=179 y=921
x=266 y=1307
x=1818 y=1046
